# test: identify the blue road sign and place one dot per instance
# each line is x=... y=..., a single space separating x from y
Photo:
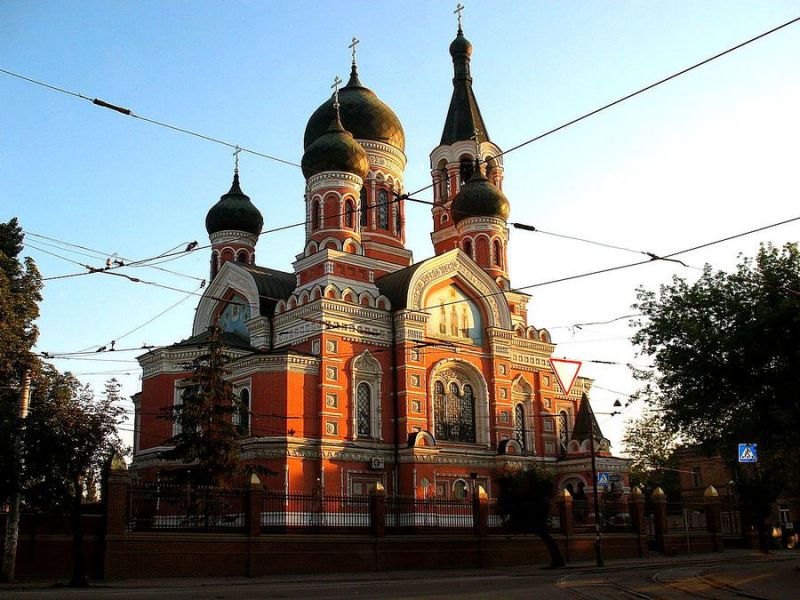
x=602 y=478
x=748 y=453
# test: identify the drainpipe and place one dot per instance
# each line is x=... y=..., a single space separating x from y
x=395 y=411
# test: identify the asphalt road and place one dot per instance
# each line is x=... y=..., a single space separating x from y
x=714 y=576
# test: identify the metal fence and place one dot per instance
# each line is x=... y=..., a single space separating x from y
x=431 y=515
x=172 y=507
x=286 y=512
x=685 y=516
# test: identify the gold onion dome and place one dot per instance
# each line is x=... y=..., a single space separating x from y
x=335 y=150
x=234 y=212
x=362 y=113
x=479 y=198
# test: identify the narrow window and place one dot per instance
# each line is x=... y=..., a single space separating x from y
x=315 y=213
x=383 y=209
x=519 y=425
x=497 y=253
x=348 y=214
x=468 y=247
x=398 y=221
x=466 y=169
x=364 y=409
x=242 y=416
x=364 y=206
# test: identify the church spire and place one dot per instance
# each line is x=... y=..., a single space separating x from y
x=464 y=115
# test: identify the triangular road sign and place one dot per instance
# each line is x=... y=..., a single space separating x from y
x=566 y=372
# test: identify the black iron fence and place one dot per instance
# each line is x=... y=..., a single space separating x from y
x=286 y=512
x=172 y=507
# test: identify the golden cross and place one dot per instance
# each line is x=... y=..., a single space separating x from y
x=352 y=46
x=477 y=144
x=459 y=9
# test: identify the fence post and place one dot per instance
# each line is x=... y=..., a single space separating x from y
x=117 y=486
x=659 y=500
x=253 y=508
x=636 y=510
x=480 y=511
x=565 y=518
x=713 y=508
x=377 y=510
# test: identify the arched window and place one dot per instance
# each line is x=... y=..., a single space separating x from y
x=383 y=209
x=454 y=413
x=241 y=416
x=364 y=410
x=468 y=247
x=460 y=489
x=365 y=399
x=364 y=206
x=466 y=168
x=315 y=215
x=519 y=425
x=349 y=211
x=497 y=253
x=242 y=256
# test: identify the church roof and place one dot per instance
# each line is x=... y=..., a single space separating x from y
x=584 y=421
x=272 y=285
x=395 y=285
x=234 y=212
x=231 y=340
x=464 y=115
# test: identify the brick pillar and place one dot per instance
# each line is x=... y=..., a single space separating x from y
x=713 y=509
x=480 y=512
x=117 y=486
x=659 y=500
x=565 y=518
x=636 y=511
x=377 y=511
x=254 y=499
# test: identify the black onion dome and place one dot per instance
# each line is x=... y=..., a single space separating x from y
x=460 y=45
x=362 y=113
x=234 y=212
x=479 y=198
x=335 y=150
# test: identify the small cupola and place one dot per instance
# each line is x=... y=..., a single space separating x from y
x=335 y=150
x=479 y=198
x=234 y=212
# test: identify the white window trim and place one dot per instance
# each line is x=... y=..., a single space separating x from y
x=366 y=369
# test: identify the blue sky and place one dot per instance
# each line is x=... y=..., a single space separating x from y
x=710 y=154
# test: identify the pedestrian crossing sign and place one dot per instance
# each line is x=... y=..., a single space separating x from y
x=748 y=453
x=602 y=479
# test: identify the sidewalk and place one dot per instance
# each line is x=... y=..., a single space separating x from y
x=588 y=567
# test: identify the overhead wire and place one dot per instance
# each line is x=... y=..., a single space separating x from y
x=540 y=136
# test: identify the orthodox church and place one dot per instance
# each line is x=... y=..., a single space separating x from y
x=362 y=366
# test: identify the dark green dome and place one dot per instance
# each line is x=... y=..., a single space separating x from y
x=335 y=150
x=460 y=45
x=479 y=198
x=234 y=212
x=362 y=113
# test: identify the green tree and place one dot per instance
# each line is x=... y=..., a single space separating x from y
x=651 y=448
x=207 y=443
x=524 y=499
x=68 y=435
x=20 y=294
x=726 y=364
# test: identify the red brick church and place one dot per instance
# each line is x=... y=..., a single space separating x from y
x=361 y=366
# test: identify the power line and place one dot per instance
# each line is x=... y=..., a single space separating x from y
x=408 y=196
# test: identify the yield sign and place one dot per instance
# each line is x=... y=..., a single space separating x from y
x=566 y=372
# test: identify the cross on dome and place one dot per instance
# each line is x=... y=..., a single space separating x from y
x=459 y=9
x=336 y=81
x=352 y=46
x=236 y=159
x=476 y=137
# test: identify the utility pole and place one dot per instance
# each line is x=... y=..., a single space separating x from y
x=12 y=528
x=598 y=542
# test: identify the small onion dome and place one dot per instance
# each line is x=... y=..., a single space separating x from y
x=460 y=46
x=362 y=113
x=234 y=212
x=335 y=150
x=479 y=198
